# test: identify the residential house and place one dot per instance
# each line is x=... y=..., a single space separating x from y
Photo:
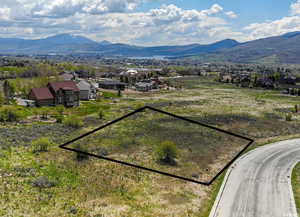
x=143 y=86
x=111 y=84
x=291 y=89
x=265 y=83
x=244 y=80
x=226 y=78
x=42 y=96
x=288 y=80
x=130 y=72
x=68 y=76
x=65 y=93
x=87 y=90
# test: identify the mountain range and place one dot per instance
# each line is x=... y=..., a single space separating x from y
x=279 y=49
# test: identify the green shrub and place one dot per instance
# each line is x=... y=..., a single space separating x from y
x=167 y=152
x=73 y=121
x=288 y=117
x=100 y=114
x=10 y=114
x=59 y=118
x=80 y=156
x=60 y=109
x=45 y=112
x=41 y=144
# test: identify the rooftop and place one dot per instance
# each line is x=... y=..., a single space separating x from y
x=42 y=93
x=71 y=85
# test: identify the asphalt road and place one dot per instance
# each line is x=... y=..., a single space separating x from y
x=259 y=183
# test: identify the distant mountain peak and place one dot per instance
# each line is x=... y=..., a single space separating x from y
x=228 y=40
x=67 y=38
x=105 y=42
x=291 y=34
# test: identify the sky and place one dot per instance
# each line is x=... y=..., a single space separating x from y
x=150 y=22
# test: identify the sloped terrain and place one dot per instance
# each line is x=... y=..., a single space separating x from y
x=279 y=49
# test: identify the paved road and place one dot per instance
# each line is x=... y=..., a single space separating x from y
x=259 y=183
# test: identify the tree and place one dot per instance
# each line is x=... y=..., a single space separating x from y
x=277 y=76
x=10 y=114
x=2 y=99
x=167 y=152
x=119 y=92
x=9 y=91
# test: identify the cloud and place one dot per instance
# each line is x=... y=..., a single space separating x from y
x=295 y=8
x=215 y=9
x=115 y=20
x=64 y=8
x=276 y=27
x=168 y=24
x=5 y=13
x=231 y=14
x=273 y=28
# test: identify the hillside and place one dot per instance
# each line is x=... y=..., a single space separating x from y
x=279 y=49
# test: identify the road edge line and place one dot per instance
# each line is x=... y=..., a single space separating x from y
x=214 y=209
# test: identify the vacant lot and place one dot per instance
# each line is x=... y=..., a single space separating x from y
x=200 y=152
x=59 y=183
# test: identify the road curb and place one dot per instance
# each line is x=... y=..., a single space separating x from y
x=214 y=210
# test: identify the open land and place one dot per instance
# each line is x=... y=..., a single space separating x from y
x=94 y=187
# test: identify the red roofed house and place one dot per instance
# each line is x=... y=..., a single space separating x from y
x=65 y=93
x=56 y=93
x=41 y=96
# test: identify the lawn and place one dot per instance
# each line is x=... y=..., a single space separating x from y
x=296 y=186
x=58 y=183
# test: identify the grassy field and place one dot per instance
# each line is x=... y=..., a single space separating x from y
x=296 y=186
x=56 y=183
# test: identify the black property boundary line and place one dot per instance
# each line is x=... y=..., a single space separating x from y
x=63 y=146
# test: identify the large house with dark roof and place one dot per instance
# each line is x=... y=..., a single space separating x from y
x=42 y=96
x=65 y=93
x=56 y=93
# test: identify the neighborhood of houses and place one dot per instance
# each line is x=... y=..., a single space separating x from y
x=71 y=89
x=287 y=83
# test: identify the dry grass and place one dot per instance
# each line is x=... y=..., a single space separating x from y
x=98 y=188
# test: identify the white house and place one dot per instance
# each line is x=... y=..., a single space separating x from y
x=87 y=90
